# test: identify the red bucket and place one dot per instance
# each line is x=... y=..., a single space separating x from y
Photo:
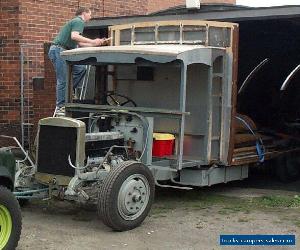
x=163 y=144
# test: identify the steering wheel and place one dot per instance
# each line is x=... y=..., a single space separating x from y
x=115 y=99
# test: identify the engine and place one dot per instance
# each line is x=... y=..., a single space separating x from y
x=68 y=146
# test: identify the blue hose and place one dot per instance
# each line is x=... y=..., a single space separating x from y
x=260 y=149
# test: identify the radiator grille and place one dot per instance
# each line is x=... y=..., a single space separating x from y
x=55 y=145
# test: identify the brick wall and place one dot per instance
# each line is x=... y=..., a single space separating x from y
x=9 y=66
x=219 y=1
x=124 y=8
x=156 y=5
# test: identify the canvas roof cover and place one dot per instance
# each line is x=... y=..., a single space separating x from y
x=188 y=54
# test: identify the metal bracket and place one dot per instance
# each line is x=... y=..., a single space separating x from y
x=170 y=186
x=208 y=172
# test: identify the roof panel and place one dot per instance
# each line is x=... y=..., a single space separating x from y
x=155 y=53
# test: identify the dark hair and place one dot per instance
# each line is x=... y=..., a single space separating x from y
x=81 y=10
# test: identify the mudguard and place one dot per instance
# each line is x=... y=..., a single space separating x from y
x=7 y=168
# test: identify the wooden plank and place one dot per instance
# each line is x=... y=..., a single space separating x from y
x=273 y=153
x=174 y=23
x=244 y=138
x=234 y=52
x=181 y=23
x=244 y=149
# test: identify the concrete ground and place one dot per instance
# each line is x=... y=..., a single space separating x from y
x=179 y=219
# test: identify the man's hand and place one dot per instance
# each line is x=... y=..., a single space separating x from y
x=101 y=42
x=107 y=40
x=98 y=42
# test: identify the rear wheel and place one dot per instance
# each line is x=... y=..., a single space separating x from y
x=126 y=196
x=10 y=220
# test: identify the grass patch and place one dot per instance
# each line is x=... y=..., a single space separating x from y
x=278 y=201
x=199 y=200
x=243 y=220
x=223 y=212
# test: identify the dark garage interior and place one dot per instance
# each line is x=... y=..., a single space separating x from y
x=261 y=99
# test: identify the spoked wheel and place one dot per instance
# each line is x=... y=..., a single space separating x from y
x=288 y=167
x=119 y=100
x=10 y=220
x=126 y=196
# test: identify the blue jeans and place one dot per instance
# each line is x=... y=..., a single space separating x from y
x=60 y=67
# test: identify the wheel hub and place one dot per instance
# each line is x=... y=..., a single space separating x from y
x=5 y=226
x=136 y=198
x=133 y=197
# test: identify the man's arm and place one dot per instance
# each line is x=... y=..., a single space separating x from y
x=104 y=41
x=88 y=44
x=84 y=41
x=85 y=44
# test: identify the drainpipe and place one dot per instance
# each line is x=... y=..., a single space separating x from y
x=22 y=96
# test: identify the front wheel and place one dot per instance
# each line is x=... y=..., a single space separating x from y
x=126 y=196
x=10 y=220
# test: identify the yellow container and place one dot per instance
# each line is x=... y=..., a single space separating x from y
x=163 y=137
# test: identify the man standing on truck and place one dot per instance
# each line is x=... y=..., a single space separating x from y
x=70 y=37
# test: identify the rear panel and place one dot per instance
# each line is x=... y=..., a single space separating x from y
x=209 y=127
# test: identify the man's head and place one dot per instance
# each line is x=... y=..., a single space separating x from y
x=85 y=13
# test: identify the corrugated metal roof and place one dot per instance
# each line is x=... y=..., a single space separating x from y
x=207 y=12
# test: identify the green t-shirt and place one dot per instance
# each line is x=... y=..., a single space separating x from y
x=64 y=36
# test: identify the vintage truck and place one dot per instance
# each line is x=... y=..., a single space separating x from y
x=158 y=108
x=10 y=213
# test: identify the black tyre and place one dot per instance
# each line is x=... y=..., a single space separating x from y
x=288 y=168
x=126 y=196
x=10 y=220
x=23 y=203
